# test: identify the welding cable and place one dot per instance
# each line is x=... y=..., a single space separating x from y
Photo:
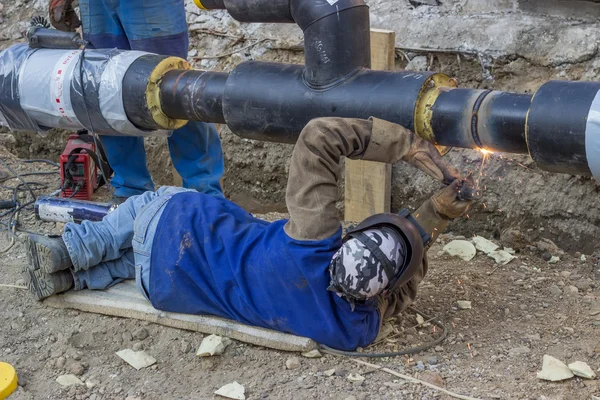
x=412 y=350
x=39 y=160
x=18 y=177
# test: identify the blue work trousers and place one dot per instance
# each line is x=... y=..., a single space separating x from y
x=156 y=26
x=118 y=247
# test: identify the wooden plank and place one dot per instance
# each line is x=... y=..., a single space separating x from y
x=368 y=184
x=124 y=300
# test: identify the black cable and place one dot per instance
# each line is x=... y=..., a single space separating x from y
x=39 y=160
x=412 y=350
x=19 y=177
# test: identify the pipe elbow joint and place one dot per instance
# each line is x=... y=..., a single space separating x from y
x=306 y=13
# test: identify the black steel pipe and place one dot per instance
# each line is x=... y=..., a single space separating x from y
x=481 y=119
x=193 y=95
x=336 y=33
x=270 y=102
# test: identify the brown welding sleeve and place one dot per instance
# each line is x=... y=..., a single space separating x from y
x=312 y=190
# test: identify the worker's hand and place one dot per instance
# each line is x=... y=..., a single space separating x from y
x=63 y=16
x=427 y=158
x=447 y=203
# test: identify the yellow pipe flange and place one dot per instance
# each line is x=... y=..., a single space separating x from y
x=153 y=92
x=199 y=4
x=428 y=94
x=8 y=380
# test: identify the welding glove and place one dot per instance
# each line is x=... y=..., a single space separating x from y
x=447 y=203
x=427 y=158
x=435 y=213
x=63 y=16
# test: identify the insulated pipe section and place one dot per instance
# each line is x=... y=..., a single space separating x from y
x=336 y=32
x=270 y=102
x=563 y=128
x=193 y=95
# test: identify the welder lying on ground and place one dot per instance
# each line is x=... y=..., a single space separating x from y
x=200 y=254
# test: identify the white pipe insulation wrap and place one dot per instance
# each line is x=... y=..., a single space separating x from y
x=592 y=137
x=45 y=88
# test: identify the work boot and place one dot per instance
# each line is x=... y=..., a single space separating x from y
x=43 y=285
x=48 y=254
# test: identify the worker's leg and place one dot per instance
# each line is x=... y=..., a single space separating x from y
x=101 y=252
x=196 y=148
x=126 y=155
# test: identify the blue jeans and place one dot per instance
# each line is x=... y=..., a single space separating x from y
x=118 y=247
x=156 y=26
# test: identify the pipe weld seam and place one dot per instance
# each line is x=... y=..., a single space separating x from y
x=475 y=117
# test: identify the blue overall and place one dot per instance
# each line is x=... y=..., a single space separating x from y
x=156 y=26
x=212 y=257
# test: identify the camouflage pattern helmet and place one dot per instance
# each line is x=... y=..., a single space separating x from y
x=366 y=263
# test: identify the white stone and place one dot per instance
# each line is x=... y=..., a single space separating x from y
x=581 y=369
x=554 y=370
x=464 y=305
x=292 y=363
x=510 y=250
x=583 y=258
x=137 y=359
x=312 y=354
x=461 y=248
x=501 y=257
x=329 y=372
x=213 y=345
x=68 y=380
x=482 y=244
x=232 y=391
x=554 y=260
x=356 y=378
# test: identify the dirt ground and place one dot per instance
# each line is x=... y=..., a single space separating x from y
x=520 y=312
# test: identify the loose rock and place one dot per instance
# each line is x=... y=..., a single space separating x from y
x=356 y=378
x=137 y=359
x=461 y=249
x=232 y=391
x=565 y=274
x=292 y=363
x=463 y=304
x=553 y=260
x=433 y=377
x=555 y=290
x=140 y=334
x=127 y=336
x=329 y=372
x=91 y=383
x=581 y=369
x=432 y=360
x=571 y=290
x=213 y=345
x=68 y=380
x=501 y=257
x=185 y=347
x=484 y=245
x=139 y=346
x=76 y=369
x=518 y=351
x=312 y=354
x=60 y=362
x=554 y=370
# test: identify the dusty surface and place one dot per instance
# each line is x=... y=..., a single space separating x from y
x=519 y=313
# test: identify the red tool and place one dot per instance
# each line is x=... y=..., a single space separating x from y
x=78 y=170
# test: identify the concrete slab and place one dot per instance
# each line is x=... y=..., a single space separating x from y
x=124 y=300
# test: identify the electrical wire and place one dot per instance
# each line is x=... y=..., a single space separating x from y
x=18 y=177
x=412 y=350
x=39 y=160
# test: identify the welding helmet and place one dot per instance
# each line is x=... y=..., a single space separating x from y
x=377 y=257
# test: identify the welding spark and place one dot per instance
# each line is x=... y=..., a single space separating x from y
x=469 y=347
x=486 y=151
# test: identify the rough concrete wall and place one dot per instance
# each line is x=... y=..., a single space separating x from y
x=518 y=52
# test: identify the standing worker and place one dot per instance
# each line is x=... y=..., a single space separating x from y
x=199 y=254
x=160 y=27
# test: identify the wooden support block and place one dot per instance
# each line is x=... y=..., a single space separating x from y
x=368 y=184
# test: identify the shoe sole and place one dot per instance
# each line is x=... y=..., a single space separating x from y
x=34 y=250
x=38 y=284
